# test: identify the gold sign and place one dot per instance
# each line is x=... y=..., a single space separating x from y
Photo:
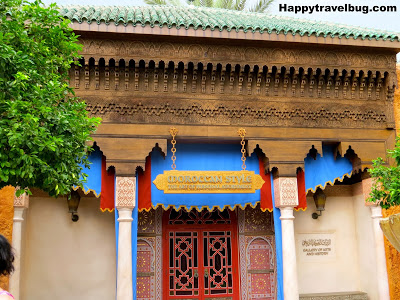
x=210 y=182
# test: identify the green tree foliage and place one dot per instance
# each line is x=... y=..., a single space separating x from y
x=386 y=180
x=43 y=126
x=260 y=5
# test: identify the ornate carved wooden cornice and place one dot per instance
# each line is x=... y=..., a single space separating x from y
x=141 y=87
x=227 y=84
x=377 y=61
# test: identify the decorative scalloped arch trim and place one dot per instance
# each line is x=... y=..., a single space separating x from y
x=340 y=179
x=87 y=191
x=230 y=207
x=107 y=209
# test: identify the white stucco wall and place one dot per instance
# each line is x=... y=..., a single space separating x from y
x=67 y=260
x=349 y=220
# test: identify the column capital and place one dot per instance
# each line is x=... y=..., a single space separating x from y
x=286 y=169
x=18 y=214
x=376 y=212
x=21 y=201
x=125 y=192
x=125 y=214
x=287 y=213
x=285 y=192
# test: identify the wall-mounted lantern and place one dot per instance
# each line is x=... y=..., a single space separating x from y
x=320 y=200
x=73 y=202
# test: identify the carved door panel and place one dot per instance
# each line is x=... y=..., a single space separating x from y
x=217 y=264
x=201 y=262
x=183 y=265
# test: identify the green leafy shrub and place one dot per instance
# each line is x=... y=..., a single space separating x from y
x=386 y=180
x=44 y=128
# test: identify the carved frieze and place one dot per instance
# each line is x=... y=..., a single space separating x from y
x=186 y=52
x=255 y=113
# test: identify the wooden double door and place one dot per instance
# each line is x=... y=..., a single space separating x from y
x=200 y=257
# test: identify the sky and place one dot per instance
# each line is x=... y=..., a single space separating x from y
x=383 y=20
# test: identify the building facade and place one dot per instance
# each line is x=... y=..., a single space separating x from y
x=313 y=105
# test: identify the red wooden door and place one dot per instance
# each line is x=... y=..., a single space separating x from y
x=200 y=258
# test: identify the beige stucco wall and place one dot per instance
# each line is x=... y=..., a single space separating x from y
x=365 y=242
x=349 y=220
x=67 y=260
x=347 y=215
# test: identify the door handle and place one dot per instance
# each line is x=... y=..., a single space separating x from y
x=205 y=272
x=196 y=273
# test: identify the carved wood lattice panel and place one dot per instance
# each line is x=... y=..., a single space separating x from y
x=183 y=270
x=194 y=217
x=200 y=255
x=218 y=271
x=201 y=264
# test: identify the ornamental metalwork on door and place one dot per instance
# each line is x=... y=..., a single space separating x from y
x=202 y=260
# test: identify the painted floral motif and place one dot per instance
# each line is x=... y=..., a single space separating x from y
x=261 y=287
x=144 y=257
x=145 y=268
x=146 y=221
x=261 y=268
x=257 y=221
x=143 y=288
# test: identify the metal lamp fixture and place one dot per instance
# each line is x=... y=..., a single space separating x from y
x=73 y=202
x=320 y=200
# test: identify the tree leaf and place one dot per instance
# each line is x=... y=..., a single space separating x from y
x=44 y=128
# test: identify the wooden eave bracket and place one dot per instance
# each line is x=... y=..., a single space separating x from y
x=127 y=154
x=287 y=156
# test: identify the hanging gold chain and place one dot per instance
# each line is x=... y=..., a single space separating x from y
x=242 y=133
x=173 y=131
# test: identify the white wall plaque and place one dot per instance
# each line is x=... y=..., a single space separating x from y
x=315 y=246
